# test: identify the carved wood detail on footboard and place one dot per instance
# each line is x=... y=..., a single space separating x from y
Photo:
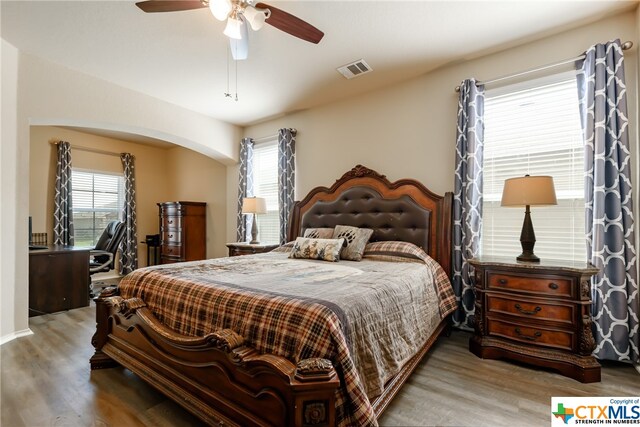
x=216 y=377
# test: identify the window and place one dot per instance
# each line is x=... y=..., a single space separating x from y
x=265 y=184
x=535 y=129
x=97 y=199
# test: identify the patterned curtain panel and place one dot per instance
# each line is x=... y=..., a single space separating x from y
x=467 y=199
x=286 y=177
x=609 y=213
x=63 y=211
x=129 y=245
x=245 y=187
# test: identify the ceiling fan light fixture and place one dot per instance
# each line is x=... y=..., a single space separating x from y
x=256 y=17
x=240 y=47
x=234 y=28
x=220 y=8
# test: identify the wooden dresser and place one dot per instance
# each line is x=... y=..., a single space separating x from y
x=537 y=313
x=182 y=231
x=243 y=248
x=58 y=279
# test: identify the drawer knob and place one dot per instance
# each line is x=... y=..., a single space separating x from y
x=553 y=286
x=529 y=312
x=171 y=236
x=503 y=281
x=535 y=336
x=170 y=221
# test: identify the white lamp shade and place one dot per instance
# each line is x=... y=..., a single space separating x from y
x=529 y=190
x=254 y=205
x=234 y=28
x=220 y=8
x=240 y=47
x=255 y=17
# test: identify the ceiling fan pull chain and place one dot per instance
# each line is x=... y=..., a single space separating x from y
x=227 y=94
x=236 y=80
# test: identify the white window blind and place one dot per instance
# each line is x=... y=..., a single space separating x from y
x=97 y=199
x=535 y=130
x=265 y=184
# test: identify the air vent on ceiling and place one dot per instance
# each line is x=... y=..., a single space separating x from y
x=355 y=69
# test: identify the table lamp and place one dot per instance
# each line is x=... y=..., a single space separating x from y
x=528 y=191
x=254 y=205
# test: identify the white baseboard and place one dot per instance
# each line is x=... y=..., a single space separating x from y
x=12 y=336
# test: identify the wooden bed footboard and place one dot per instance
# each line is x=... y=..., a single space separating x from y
x=215 y=377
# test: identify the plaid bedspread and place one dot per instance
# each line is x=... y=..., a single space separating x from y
x=351 y=313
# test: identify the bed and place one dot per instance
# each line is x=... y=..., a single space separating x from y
x=267 y=340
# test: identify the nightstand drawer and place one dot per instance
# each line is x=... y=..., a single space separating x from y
x=172 y=250
x=169 y=259
x=531 y=335
x=241 y=248
x=173 y=210
x=241 y=251
x=558 y=287
x=170 y=237
x=171 y=221
x=531 y=309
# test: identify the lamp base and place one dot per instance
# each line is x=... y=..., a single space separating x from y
x=254 y=232
x=528 y=257
x=527 y=239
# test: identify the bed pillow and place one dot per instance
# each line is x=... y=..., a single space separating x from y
x=318 y=233
x=355 y=238
x=394 y=251
x=322 y=249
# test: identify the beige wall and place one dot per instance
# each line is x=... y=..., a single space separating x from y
x=161 y=175
x=12 y=225
x=408 y=130
x=198 y=178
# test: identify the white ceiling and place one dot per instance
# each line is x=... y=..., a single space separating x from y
x=180 y=57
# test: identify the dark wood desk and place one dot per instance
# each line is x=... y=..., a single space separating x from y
x=58 y=279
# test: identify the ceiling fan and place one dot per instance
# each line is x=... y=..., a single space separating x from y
x=238 y=13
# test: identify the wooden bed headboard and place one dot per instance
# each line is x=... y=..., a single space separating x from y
x=403 y=210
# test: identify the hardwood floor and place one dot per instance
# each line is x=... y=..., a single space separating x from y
x=46 y=381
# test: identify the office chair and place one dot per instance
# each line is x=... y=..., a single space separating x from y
x=102 y=257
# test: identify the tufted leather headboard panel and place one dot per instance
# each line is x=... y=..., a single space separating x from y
x=402 y=210
x=391 y=219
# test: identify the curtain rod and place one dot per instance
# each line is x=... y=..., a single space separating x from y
x=91 y=150
x=270 y=137
x=265 y=139
x=625 y=46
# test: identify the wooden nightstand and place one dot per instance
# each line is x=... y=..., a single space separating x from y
x=537 y=313
x=243 y=248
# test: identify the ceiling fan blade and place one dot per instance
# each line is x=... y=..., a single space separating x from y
x=151 y=6
x=291 y=24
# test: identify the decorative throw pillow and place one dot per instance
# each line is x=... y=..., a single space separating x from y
x=355 y=238
x=322 y=249
x=394 y=251
x=318 y=233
